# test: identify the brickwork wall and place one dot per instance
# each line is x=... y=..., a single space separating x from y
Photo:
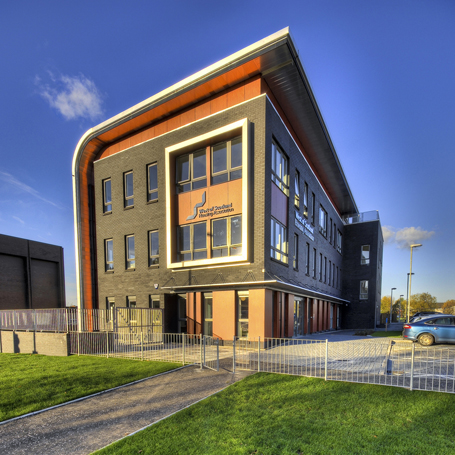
x=151 y=216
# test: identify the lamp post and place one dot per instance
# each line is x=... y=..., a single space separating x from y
x=401 y=303
x=407 y=293
x=417 y=245
x=391 y=303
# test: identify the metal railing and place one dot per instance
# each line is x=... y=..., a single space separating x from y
x=45 y=320
x=383 y=362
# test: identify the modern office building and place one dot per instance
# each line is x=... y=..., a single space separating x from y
x=221 y=200
x=31 y=275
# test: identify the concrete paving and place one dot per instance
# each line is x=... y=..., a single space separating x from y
x=91 y=424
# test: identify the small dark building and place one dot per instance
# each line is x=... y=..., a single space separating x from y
x=31 y=274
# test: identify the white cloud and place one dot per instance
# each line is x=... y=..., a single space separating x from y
x=405 y=237
x=11 y=180
x=18 y=219
x=72 y=96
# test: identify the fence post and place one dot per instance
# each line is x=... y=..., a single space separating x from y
x=34 y=320
x=15 y=323
x=142 y=345
x=78 y=342
x=183 y=346
x=259 y=354
x=218 y=354
x=233 y=356
x=412 y=366
x=200 y=343
x=107 y=344
x=326 y=358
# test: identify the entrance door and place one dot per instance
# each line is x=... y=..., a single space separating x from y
x=298 y=316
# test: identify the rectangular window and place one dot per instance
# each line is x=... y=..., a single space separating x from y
x=131 y=301
x=295 y=258
x=330 y=273
x=107 y=196
x=363 y=290
x=154 y=248
x=110 y=308
x=242 y=314
x=181 y=304
x=313 y=207
x=130 y=253
x=324 y=270
x=365 y=255
x=313 y=271
x=109 y=255
x=227 y=236
x=152 y=177
x=339 y=241
x=154 y=301
x=279 y=241
x=227 y=161
x=334 y=235
x=297 y=189
x=280 y=169
x=208 y=313
x=307 y=259
x=128 y=189
x=320 y=266
x=322 y=221
x=333 y=275
x=331 y=232
x=192 y=242
x=305 y=199
x=191 y=171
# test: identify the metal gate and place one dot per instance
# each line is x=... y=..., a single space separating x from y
x=210 y=353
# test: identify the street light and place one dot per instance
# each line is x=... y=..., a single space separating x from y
x=401 y=303
x=391 y=303
x=417 y=245
x=407 y=292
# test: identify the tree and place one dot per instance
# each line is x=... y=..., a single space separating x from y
x=385 y=304
x=422 y=302
x=449 y=307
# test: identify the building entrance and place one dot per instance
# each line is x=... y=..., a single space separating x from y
x=298 y=317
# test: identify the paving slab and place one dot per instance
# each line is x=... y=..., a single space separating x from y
x=88 y=425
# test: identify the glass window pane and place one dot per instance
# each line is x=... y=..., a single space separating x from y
x=236 y=230
x=110 y=250
x=237 y=174
x=131 y=247
x=183 y=168
x=129 y=184
x=153 y=177
x=154 y=244
x=107 y=192
x=184 y=238
x=200 y=255
x=199 y=166
x=220 y=178
x=236 y=152
x=200 y=236
x=199 y=184
x=219 y=158
x=219 y=232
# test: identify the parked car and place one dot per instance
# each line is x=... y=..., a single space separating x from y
x=422 y=313
x=431 y=329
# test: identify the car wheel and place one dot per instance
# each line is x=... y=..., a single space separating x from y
x=425 y=339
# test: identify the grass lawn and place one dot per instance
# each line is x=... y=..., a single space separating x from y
x=389 y=334
x=277 y=414
x=32 y=382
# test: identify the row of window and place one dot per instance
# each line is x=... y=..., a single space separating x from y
x=154 y=302
x=226 y=236
x=280 y=176
x=128 y=188
x=130 y=251
x=225 y=165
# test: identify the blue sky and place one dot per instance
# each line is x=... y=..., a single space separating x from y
x=382 y=72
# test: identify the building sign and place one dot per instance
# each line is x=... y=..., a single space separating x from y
x=216 y=210
x=302 y=225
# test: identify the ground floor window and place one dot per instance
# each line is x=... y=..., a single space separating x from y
x=242 y=313
x=364 y=290
x=154 y=301
x=208 y=314
x=110 y=307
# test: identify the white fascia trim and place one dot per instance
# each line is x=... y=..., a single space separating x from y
x=311 y=169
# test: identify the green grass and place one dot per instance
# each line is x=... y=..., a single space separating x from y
x=389 y=334
x=32 y=382
x=275 y=414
